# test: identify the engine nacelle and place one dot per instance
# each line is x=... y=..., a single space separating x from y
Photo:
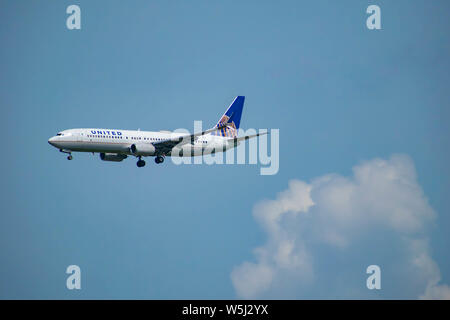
x=112 y=157
x=143 y=149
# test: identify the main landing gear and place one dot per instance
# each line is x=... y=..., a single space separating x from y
x=69 y=157
x=140 y=163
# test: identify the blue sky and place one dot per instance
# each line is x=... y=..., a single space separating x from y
x=340 y=94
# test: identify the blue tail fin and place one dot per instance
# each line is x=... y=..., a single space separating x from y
x=232 y=119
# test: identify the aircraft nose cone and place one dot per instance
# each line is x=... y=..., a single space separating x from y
x=52 y=141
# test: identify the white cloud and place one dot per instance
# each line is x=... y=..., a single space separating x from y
x=252 y=279
x=342 y=214
x=436 y=292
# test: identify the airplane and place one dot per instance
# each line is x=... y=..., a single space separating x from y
x=116 y=145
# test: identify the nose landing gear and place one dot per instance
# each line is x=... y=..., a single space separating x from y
x=69 y=157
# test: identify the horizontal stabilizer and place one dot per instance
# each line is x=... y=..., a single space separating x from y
x=249 y=137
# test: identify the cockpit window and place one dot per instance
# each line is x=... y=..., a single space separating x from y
x=59 y=134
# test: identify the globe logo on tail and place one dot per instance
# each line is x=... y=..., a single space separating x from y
x=228 y=131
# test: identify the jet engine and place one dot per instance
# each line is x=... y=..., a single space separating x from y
x=143 y=149
x=112 y=157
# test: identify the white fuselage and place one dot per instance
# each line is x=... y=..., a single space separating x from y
x=120 y=142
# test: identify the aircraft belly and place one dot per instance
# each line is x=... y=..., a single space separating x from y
x=97 y=147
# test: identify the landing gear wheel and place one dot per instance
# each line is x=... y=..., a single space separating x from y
x=159 y=159
x=140 y=163
x=69 y=157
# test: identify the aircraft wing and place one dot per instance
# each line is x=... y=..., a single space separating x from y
x=166 y=146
